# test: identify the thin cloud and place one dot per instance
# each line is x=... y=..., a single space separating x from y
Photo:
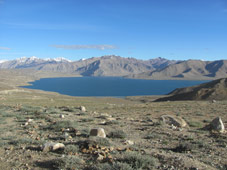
x=78 y=47
x=4 y=48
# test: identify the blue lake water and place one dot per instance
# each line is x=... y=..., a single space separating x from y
x=109 y=86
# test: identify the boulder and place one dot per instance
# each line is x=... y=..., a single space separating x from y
x=98 y=132
x=217 y=125
x=52 y=146
x=173 y=121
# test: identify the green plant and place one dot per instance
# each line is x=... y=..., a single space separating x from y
x=100 y=141
x=118 y=134
x=53 y=110
x=22 y=141
x=71 y=148
x=138 y=161
x=195 y=124
x=63 y=124
x=114 y=166
x=68 y=162
x=87 y=120
x=30 y=109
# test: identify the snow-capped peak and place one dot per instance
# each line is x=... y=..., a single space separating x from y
x=25 y=59
x=61 y=59
x=34 y=58
x=2 y=61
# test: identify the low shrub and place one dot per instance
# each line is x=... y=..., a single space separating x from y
x=195 y=124
x=138 y=161
x=68 y=162
x=118 y=134
x=114 y=166
x=63 y=124
x=71 y=148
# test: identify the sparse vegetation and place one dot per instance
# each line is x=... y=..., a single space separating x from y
x=25 y=128
x=59 y=125
x=195 y=124
x=71 y=149
x=138 y=161
x=118 y=134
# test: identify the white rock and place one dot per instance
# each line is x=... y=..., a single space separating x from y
x=110 y=118
x=82 y=108
x=29 y=120
x=217 y=125
x=62 y=116
x=58 y=146
x=214 y=101
x=52 y=146
x=129 y=142
x=99 y=157
x=98 y=132
x=103 y=122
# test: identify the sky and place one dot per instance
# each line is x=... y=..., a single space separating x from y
x=143 y=29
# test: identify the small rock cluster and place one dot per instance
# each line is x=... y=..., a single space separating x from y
x=101 y=153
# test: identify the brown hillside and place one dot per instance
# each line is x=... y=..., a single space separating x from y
x=214 y=90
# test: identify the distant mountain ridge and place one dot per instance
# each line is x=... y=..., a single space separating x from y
x=96 y=66
x=190 y=69
x=30 y=62
x=111 y=65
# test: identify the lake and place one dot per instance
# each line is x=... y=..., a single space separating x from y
x=109 y=86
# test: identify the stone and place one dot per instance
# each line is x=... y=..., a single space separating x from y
x=129 y=142
x=98 y=132
x=58 y=146
x=99 y=157
x=66 y=135
x=52 y=146
x=214 y=101
x=110 y=118
x=104 y=115
x=82 y=108
x=103 y=122
x=62 y=116
x=29 y=120
x=217 y=125
x=173 y=121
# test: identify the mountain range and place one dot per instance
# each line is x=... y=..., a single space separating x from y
x=158 y=68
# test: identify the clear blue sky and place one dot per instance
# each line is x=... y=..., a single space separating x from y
x=144 y=29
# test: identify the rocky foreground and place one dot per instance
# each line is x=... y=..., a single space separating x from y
x=109 y=135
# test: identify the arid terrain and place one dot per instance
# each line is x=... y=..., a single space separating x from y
x=136 y=135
